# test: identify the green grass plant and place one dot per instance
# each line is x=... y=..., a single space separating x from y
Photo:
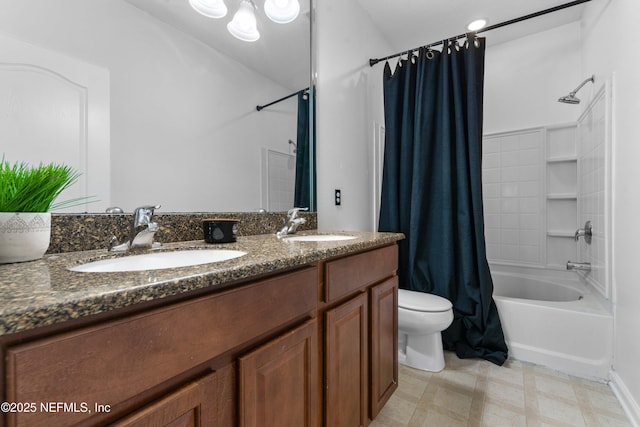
x=25 y=188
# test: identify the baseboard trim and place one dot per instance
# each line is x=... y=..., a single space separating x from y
x=625 y=398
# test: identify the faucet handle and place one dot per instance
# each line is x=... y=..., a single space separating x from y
x=142 y=215
x=293 y=213
x=587 y=232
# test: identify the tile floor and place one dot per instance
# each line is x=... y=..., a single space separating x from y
x=479 y=393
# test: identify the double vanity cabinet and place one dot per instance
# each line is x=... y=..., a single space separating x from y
x=311 y=344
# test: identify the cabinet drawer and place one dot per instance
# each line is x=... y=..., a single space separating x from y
x=193 y=405
x=115 y=361
x=346 y=275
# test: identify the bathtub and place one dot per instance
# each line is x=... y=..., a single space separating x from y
x=551 y=318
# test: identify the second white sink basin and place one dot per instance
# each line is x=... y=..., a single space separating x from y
x=158 y=260
x=319 y=238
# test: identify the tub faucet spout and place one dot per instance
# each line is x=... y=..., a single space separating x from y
x=586 y=266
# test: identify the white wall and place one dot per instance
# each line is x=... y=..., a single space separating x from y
x=525 y=77
x=169 y=95
x=349 y=102
x=608 y=27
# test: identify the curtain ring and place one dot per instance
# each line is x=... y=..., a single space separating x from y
x=471 y=40
x=411 y=57
x=430 y=54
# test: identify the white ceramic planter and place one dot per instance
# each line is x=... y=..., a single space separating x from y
x=24 y=236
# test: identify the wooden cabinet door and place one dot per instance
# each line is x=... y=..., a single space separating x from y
x=346 y=358
x=279 y=381
x=192 y=406
x=383 y=375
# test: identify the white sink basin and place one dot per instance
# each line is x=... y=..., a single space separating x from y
x=158 y=260
x=319 y=238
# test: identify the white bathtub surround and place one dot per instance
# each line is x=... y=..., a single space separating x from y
x=594 y=183
x=530 y=195
x=574 y=336
x=540 y=186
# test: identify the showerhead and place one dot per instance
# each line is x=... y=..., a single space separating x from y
x=569 y=99
x=572 y=98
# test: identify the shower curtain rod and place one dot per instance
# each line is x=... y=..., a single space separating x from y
x=260 y=107
x=374 y=61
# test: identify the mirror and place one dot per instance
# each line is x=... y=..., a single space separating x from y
x=175 y=122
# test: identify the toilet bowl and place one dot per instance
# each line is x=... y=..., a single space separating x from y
x=421 y=319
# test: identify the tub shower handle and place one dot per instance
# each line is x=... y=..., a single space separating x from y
x=586 y=232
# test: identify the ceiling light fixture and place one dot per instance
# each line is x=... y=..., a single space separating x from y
x=243 y=25
x=477 y=24
x=210 y=8
x=282 y=11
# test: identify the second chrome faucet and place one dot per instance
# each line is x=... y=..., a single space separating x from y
x=292 y=223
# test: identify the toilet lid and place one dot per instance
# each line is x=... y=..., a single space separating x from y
x=420 y=301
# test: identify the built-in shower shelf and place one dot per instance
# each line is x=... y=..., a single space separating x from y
x=561 y=233
x=568 y=196
x=562 y=159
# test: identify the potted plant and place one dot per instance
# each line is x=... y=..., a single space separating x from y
x=27 y=196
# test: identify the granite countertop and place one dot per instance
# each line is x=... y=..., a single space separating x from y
x=44 y=292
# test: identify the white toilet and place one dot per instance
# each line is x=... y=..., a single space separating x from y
x=421 y=319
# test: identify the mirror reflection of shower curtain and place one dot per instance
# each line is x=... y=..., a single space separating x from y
x=432 y=190
x=305 y=188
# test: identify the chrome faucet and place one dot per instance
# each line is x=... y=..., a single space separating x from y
x=142 y=230
x=578 y=266
x=292 y=223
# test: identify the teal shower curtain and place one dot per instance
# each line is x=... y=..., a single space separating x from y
x=305 y=186
x=432 y=189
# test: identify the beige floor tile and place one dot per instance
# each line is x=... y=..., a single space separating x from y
x=608 y=421
x=552 y=409
x=397 y=411
x=499 y=392
x=604 y=401
x=462 y=379
x=554 y=387
x=453 y=401
x=508 y=374
x=437 y=418
x=474 y=393
x=498 y=415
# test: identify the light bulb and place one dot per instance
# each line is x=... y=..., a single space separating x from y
x=243 y=25
x=209 y=8
x=282 y=11
x=477 y=24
